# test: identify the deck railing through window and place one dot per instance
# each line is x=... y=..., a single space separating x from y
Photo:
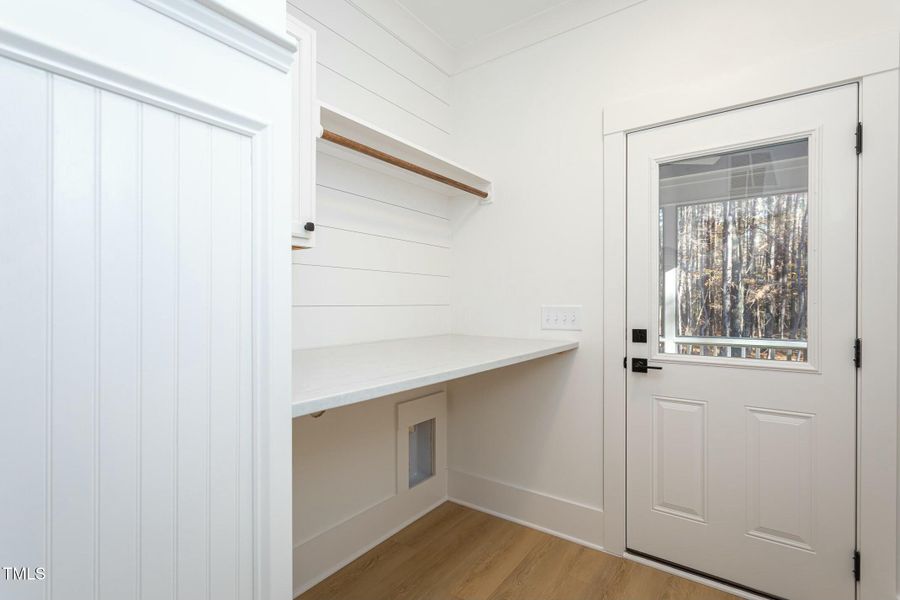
x=757 y=348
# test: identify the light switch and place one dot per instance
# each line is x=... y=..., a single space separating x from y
x=566 y=318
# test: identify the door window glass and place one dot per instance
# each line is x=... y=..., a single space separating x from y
x=734 y=254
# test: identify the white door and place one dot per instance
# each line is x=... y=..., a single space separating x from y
x=742 y=271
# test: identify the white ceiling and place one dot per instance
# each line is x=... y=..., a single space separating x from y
x=462 y=22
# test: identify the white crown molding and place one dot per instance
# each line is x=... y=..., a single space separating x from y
x=536 y=29
x=398 y=21
x=212 y=18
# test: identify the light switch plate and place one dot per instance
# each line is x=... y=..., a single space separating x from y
x=565 y=318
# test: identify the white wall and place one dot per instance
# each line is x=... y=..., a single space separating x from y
x=380 y=270
x=524 y=441
x=348 y=493
x=533 y=121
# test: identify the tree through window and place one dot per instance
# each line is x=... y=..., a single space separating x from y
x=734 y=246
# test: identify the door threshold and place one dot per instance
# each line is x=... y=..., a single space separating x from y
x=697 y=576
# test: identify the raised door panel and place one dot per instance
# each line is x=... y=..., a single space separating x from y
x=781 y=472
x=679 y=458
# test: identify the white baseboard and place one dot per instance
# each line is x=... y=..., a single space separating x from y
x=548 y=514
x=332 y=550
x=572 y=521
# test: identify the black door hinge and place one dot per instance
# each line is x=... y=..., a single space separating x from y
x=625 y=363
x=857 y=573
x=859 y=138
x=857 y=353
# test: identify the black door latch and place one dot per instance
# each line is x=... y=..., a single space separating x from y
x=639 y=365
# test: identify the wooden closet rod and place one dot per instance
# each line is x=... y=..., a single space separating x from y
x=399 y=162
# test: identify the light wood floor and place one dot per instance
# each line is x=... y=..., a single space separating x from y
x=455 y=553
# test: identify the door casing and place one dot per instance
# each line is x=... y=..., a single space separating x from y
x=873 y=63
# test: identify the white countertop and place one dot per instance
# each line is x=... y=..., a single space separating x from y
x=326 y=378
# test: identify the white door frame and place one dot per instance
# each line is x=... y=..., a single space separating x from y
x=873 y=62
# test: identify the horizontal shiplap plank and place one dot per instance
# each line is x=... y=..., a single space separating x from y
x=338 y=91
x=335 y=173
x=404 y=25
x=355 y=27
x=341 y=210
x=351 y=250
x=355 y=64
x=327 y=286
x=315 y=327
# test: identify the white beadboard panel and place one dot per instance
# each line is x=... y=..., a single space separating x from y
x=194 y=350
x=125 y=313
x=354 y=63
x=24 y=222
x=158 y=354
x=317 y=326
x=355 y=27
x=245 y=525
x=128 y=346
x=337 y=174
x=229 y=241
x=327 y=286
x=118 y=396
x=73 y=565
x=350 y=212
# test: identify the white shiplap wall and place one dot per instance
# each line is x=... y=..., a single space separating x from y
x=381 y=266
x=380 y=270
x=124 y=254
x=367 y=70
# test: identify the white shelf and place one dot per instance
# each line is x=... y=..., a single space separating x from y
x=358 y=130
x=326 y=378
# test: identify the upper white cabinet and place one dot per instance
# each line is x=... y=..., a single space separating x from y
x=305 y=130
